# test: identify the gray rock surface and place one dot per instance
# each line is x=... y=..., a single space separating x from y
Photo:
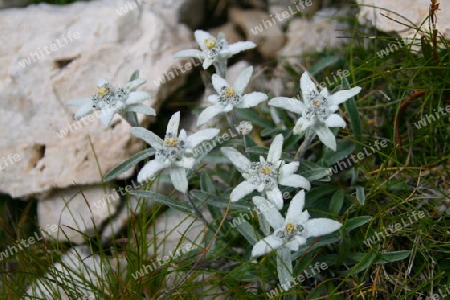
x=47 y=65
x=259 y=28
x=319 y=33
x=77 y=213
x=415 y=11
x=77 y=271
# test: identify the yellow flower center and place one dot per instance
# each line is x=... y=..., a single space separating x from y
x=266 y=170
x=230 y=93
x=102 y=90
x=290 y=228
x=316 y=103
x=210 y=43
x=171 y=142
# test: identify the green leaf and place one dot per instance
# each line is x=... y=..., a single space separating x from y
x=388 y=257
x=221 y=202
x=131 y=118
x=360 y=194
x=355 y=122
x=175 y=204
x=271 y=131
x=253 y=116
x=206 y=183
x=284 y=266
x=322 y=64
x=258 y=150
x=315 y=243
x=343 y=149
x=318 y=192
x=336 y=202
x=135 y=75
x=129 y=163
x=247 y=231
x=363 y=263
x=398 y=186
x=315 y=174
x=356 y=222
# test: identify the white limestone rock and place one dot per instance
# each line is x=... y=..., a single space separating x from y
x=84 y=41
x=319 y=33
x=415 y=11
x=77 y=213
x=72 y=277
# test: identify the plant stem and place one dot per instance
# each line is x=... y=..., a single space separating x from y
x=302 y=149
x=197 y=212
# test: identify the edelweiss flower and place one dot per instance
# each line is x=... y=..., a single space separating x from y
x=265 y=175
x=174 y=152
x=111 y=101
x=230 y=97
x=317 y=109
x=244 y=128
x=293 y=231
x=214 y=50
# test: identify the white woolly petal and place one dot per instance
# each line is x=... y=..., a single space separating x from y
x=335 y=120
x=240 y=161
x=236 y=48
x=320 y=226
x=274 y=195
x=266 y=245
x=276 y=149
x=242 y=80
x=209 y=113
x=343 y=96
x=149 y=170
x=207 y=62
x=143 y=109
x=269 y=211
x=79 y=101
x=326 y=136
x=189 y=53
x=296 y=181
x=294 y=244
x=228 y=108
x=85 y=109
x=295 y=208
x=304 y=217
x=137 y=97
x=290 y=104
x=106 y=116
x=253 y=99
x=289 y=169
x=307 y=86
x=303 y=124
x=185 y=162
x=241 y=190
x=207 y=134
x=148 y=136
x=179 y=179
x=214 y=98
x=174 y=124
x=133 y=85
x=218 y=83
x=201 y=36
x=102 y=81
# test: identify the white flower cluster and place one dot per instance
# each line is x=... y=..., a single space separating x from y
x=111 y=101
x=174 y=152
